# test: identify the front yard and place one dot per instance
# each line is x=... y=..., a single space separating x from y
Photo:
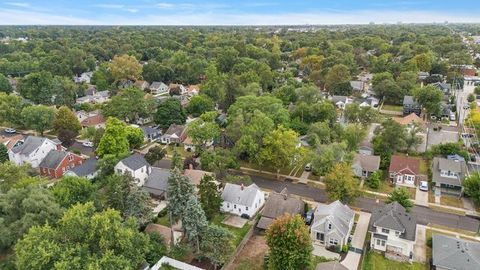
x=451 y=201
x=376 y=261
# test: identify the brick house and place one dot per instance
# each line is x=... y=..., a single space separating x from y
x=56 y=163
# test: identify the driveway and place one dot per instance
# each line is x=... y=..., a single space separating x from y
x=420 y=247
x=304 y=177
x=352 y=259
x=321 y=251
x=445 y=135
x=421 y=197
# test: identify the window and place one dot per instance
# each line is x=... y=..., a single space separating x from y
x=397 y=233
x=385 y=230
x=329 y=226
x=70 y=157
x=333 y=241
x=246 y=208
x=228 y=205
x=382 y=243
x=378 y=242
x=234 y=206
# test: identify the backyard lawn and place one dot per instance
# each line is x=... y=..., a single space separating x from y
x=238 y=233
x=394 y=108
x=376 y=261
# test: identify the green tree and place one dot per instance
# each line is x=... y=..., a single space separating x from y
x=326 y=156
x=125 y=67
x=217 y=245
x=194 y=221
x=402 y=196
x=66 y=125
x=37 y=87
x=177 y=162
x=289 y=242
x=374 y=180
x=429 y=97
x=472 y=187
x=279 y=148
x=5 y=84
x=203 y=132
x=24 y=208
x=389 y=138
x=72 y=190
x=114 y=141
x=128 y=105
x=471 y=97
x=17 y=176
x=270 y=106
x=219 y=161
x=199 y=105
x=341 y=184
x=355 y=114
x=170 y=112
x=155 y=154
x=178 y=193
x=83 y=239
x=337 y=75
x=412 y=140
x=156 y=71
x=209 y=196
x=3 y=153
x=135 y=137
x=354 y=135
x=39 y=118
x=10 y=109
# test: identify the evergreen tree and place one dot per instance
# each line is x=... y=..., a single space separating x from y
x=216 y=244
x=210 y=198
x=194 y=221
x=3 y=153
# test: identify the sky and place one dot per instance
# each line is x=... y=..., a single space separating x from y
x=235 y=12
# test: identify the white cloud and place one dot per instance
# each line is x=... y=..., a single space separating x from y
x=20 y=17
x=109 y=6
x=18 y=4
x=165 y=5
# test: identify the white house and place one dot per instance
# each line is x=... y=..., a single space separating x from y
x=88 y=169
x=84 y=77
x=240 y=200
x=136 y=166
x=94 y=98
x=341 y=101
x=393 y=231
x=158 y=88
x=32 y=151
x=332 y=224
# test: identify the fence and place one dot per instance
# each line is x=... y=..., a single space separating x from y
x=241 y=245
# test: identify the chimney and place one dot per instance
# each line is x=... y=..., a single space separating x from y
x=242 y=186
x=190 y=166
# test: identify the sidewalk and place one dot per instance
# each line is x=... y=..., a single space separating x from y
x=352 y=259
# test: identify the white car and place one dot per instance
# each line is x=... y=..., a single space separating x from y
x=10 y=130
x=308 y=167
x=87 y=144
x=423 y=186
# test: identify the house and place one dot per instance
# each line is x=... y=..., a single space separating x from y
x=158 y=88
x=193 y=90
x=87 y=169
x=365 y=165
x=448 y=175
x=12 y=141
x=188 y=144
x=332 y=224
x=32 y=151
x=174 y=134
x=136 y=166
x=341 y=101
x=365 y=148
x=95 y=98
x=404 y=170
x=177 y=89
x=173 y=264
x=444 y=87
x=450 y=253
x=422 y=75
x=156 y=183
x=94 y=119
x=83 y=78
x=411 y=106
x=151 y=134
x=279 y=204
x=195 y=176
x=242 y=201
x=358 y=86
x=331 y=265
x=393 y=231
x=409 y=120
x=165 y=232
x=56 y=163
x=369 y=102
x=142 y=84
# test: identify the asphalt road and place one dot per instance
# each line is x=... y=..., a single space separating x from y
x=424 y=215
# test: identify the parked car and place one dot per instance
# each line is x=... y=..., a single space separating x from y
x=245 y=216
x=308 y=167
x=87 y=144
x=309 y=217
x=467 y=135
x=452 y=117
x=466 y=107
x=423 y=186
x=10 y=130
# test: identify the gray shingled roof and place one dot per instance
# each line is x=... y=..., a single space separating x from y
x=408 y=100
x=394 y=216
x=367 y=162
x=279 y=204
x=53 y=159
x=88 y=167
x=336 y=99
x=234 y=194
x=455 y=253
x=331 y=265
x=135 y=162
x=339 y=214
x=157 y=181
x=31 y=144
x=175 y=129
x=458 y=166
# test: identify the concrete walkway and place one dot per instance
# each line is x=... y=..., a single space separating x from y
x=304 y=177
x=420 y=247
x=352 y=259
x=321 y=251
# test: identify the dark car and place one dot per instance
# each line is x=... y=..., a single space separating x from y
x=245 y=216
x=309 y=217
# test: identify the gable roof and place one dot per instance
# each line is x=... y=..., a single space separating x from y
x=356 y=85
x=150 y=130
x=336 y=99
x=175 y=129
x=453 y=165
x=31 y=144
x=196 y=176
x=278 y=204
x=331 y=265
x=400 y=163
x=157 y=85
x=157 y=181
x=53 y=159
x=367 y=162
x=88 y=167
x=393 y=216
x=241 y=195
x=408 y=100
x=455 y=253
x=135 y=162
x=93 y=120
x=11 y=141
x=411 y=118
x=338 y=213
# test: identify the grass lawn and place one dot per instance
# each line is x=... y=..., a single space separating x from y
x=285 y=171
x=238 y=233
x=412 y=192
x=424 y=166
x=451 y=201
x=180 y=150
x=163 y=221
x=376 y=261
x=385 y=187
x=394 y=108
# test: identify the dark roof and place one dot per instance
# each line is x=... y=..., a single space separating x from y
x=31 y=144
x=408 y=100
x=157 y=181
x=135 y=162
x=454 y=253
x=88 y=167
x=394 y=216
x=278 y=204
x=331 y=265
x=453 y=165
x=380 y=236
x=53 y=159
x=150 y=130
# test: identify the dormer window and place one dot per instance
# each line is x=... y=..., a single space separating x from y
x=329 y=226
x=385 y=230
x=397 y=233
